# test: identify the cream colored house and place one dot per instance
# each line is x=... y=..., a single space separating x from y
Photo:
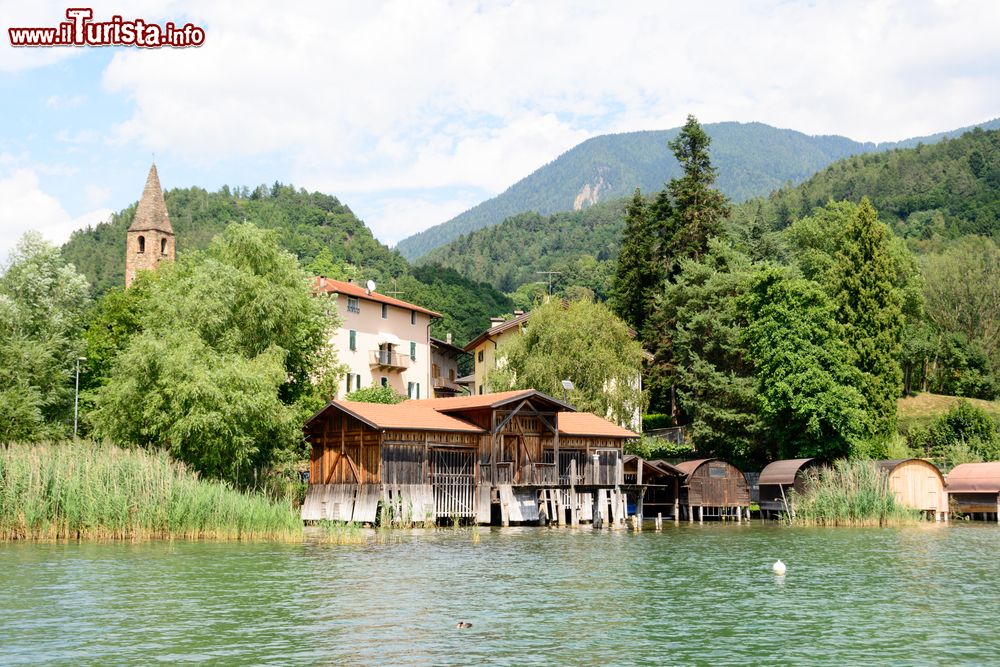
x=383 y=340
x=484 y=347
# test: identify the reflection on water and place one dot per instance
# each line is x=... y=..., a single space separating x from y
x=691 y=594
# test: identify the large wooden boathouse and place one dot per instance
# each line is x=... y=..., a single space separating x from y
x=516 y=456
x=713 y=488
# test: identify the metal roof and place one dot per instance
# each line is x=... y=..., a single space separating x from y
x=975 y=478
x=782 y=472
x=687 y=468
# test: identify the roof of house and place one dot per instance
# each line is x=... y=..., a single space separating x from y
x=408 y=416
x=496 y=330
x=434 y=414
x=466 y=379
x=151 y=212
x=975 y=478
x=446 y=346
x=588 y=424
x=494 y=400
x=331 y=286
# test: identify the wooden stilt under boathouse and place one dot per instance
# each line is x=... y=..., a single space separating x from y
x=511 y=457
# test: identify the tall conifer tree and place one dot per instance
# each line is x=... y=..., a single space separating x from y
x=636 y=277
x=871 y=310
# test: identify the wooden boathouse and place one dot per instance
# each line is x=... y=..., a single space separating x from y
x=975 y=489
x=652 y=488
x=918 y=484
x=516 y=456
x=777 y=481
x=713 y=488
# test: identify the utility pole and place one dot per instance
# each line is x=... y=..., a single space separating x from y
x=76 y=398
x=550 y=274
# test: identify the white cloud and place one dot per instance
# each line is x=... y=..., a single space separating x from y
x=393 y=219
x=24 y=206
x=61 y=102
x=383 y=97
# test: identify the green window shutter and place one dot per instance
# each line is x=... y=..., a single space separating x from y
x=348 y=383
x=357 y=381
x=413 y=351
x=354 y=340
x=409 y=390
x=418 y=391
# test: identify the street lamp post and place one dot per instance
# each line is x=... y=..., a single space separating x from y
x=76 y=398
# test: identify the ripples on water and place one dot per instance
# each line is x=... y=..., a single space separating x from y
x=689 y=595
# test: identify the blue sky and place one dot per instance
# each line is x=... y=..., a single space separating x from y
x=411 y=112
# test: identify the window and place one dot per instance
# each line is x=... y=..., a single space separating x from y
x=413 y=317
x=715 y=470
x=480 y=356
x=163 y=246
x=354 y=340
x=413 y=351
x=385 y=312
x=418 y=391
x=409 y=390
x=349 y=383
x=142 y=244
x=352 y=305
x=357 y=382
x=480 y=390
x=385 y=381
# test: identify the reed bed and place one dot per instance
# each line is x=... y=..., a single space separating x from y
x=101 y=492
x=850 y=493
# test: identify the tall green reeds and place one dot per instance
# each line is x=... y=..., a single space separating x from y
x=89 y=491
x=850 y=493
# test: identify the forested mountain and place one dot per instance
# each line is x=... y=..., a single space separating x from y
x=753 y=159
x=928 y=192
x=317 y=228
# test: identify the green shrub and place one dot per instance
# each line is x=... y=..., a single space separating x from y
x=651 y=448
x=963 y=431
x=656 y=420
x=376 y=395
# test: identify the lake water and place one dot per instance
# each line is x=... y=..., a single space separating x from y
x=688 y=595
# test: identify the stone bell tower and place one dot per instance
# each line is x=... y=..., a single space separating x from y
x=150 y=238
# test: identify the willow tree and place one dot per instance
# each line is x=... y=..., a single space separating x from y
x=230 y=353
x=580 y=341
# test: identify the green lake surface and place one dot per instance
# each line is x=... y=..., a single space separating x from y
x=689 y=595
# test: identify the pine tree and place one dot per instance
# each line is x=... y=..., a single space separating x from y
x=698 y=208
x=871 y=310
x=636 y=276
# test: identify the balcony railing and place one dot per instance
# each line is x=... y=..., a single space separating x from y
x=389 y=359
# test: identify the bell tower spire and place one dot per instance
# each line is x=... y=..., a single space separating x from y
x=150 y=238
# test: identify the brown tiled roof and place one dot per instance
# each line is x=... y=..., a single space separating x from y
x=496 y=330
x=493 y=400
x=975 y=478
x=587 y=424
x=408 y=415
x=151 y=213
x=340 y=287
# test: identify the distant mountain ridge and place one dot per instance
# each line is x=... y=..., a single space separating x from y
x=753 y=159
x=928 y=194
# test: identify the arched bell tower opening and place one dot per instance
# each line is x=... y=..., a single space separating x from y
x=150 y=231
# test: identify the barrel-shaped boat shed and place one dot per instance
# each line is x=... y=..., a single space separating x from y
x=918 y=484
x=713 y=488
x=975 y=488
x=777 y=481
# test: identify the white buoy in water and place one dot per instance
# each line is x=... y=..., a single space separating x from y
x=779 y=568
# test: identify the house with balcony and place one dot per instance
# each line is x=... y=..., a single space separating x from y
x=445 y=357
x=383 y=340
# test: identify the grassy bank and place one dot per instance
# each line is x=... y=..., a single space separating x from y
x=89 y=491
x=922 y=409
x=850 y=493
